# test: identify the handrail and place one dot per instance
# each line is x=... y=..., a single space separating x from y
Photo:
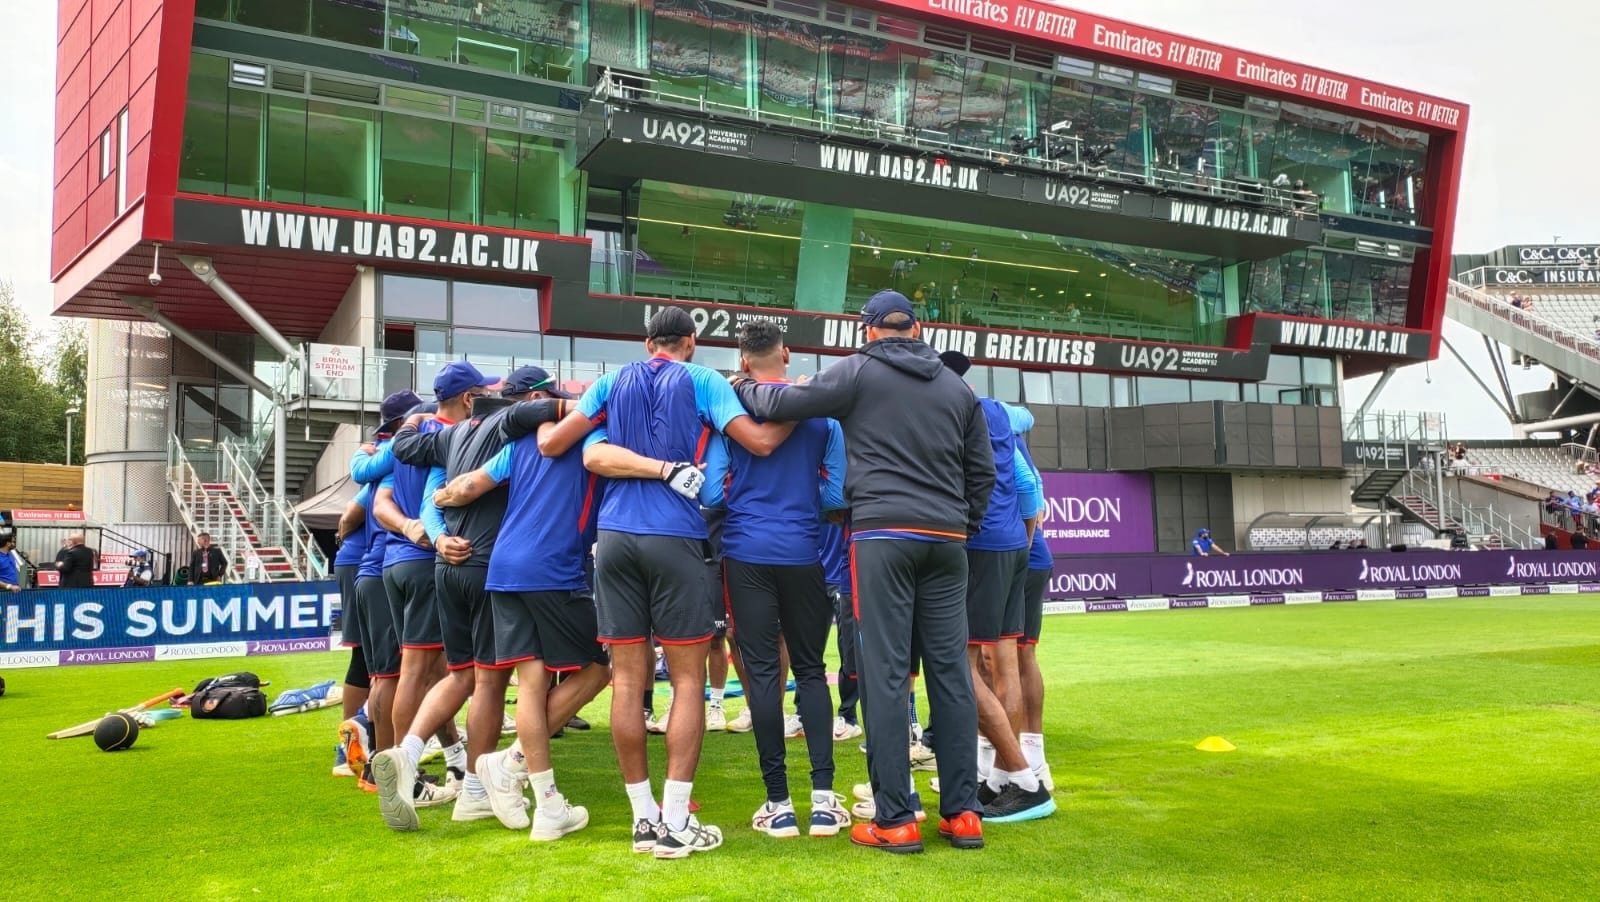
x=280 y=523
x=202 y=512
x=1525 y=320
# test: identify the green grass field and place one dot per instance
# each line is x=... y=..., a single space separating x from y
x=1429 y=749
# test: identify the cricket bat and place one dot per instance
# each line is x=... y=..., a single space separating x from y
x=84 y=729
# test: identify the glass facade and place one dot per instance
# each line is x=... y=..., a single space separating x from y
x=536 y=38
x=278 y=133
x=376 y=149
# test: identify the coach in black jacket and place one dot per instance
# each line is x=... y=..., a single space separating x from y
x=920 y=473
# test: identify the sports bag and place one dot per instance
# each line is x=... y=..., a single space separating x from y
x=241 y=678
x=227 y=703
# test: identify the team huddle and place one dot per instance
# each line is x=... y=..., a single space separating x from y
x=561 y=541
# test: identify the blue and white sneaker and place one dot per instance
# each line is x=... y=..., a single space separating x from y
x=776 y=820
x=828 y=819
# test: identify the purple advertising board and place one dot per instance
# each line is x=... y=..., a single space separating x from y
x=1098 y=513
x=1266 y=575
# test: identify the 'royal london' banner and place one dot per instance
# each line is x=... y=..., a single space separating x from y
x=103 y=626
x=1098 y=513
x=1244 y=575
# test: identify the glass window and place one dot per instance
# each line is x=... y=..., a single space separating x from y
x=492 y=349
x=202 y=168
x=1121 y=391
x=1203 y=390
x=1006 y=384
x=680 y=48
x=361 y=24
x=978 y=378
x=1153 y=390
x=244 y=143
x=724 y=359
x=1283 y=369
x=341 y=141
x=416 y=166
x=1096 y=390
x=286 y=149
x=1065 y=388
x=1036 y=388
x=1318 y=370
x=614 y=28
x=292 y=16
x=413 y=99
x=499 y=306
x=466 y=171
x=607 y=351
x=408 y=298
x=790 y=66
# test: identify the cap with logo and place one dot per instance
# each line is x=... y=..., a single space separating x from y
x=886 y=303
x=459 y=376
x=525 y=379
x=670 y=322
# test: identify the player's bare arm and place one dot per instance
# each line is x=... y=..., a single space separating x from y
x=571 y=430
x=464 y=489
x=760 y=439
x=390 y=517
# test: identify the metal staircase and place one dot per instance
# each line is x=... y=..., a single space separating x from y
x=242 y=518
x=1420 y=500
x=1372 y=491
x=1567 y=352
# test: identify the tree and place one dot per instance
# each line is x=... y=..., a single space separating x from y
x=34 y=397
x=69 y=373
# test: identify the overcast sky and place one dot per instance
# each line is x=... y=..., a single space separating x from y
x=1527 y=70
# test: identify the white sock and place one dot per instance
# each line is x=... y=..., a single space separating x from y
x=997 y=779
x=643 y=802
x=544 y=787
x=1024 y=778
x=774 y=806
x=514 y=755
x=473 y=787
x=675 y=803
x=456 y=756
x=1033 y=749
x=412 y=747
x=821 y=798
x=985 y=757
x=716 y=697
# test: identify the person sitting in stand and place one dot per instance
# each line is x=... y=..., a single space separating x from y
x=1203 y=546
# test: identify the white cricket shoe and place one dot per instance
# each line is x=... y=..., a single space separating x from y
x=741 y=723
x=716 y=719
x=504 y=778
x=844 y=730
x=556 y=818
x=396 y=778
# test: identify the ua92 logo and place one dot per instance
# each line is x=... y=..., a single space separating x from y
x=686 y=134
x=708 y=323
x=1157 y=359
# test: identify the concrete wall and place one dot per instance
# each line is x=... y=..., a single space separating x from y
x=334 y=464
x=355 y=322
x=1522 y=510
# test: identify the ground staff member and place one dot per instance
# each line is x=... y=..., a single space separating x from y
x=920 y=472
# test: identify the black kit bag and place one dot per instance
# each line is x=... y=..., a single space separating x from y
x=228 y=703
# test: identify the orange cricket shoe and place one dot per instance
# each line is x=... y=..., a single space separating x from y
x=965 y=831
x=905 y=839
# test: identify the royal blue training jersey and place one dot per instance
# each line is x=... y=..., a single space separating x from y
x=775 y=503
x=835 y=556
x=1039 y=556
x=666 y=410
x=550 y=514
x=407 y=483
x=8 y=569
x=354 y=546
x=377 y=466
x=1002 y=528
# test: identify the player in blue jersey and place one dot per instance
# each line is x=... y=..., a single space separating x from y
x=997 y=567
x=355 y=740
x=650 y=555
x=1030 y=678
x=774 y=584
x=835 y=556
x=543 y=609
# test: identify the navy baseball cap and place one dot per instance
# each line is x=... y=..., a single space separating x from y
x=884 y=304
x=956 y=362
x=532 y=378
x=670 y=322
x=396 y=406
x=459 y=376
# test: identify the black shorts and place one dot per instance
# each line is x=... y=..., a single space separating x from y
x=557 y=627
x=1033 y=619
x=380 y=643
x=652 y=585
x=466 y=621
x=349 y=611
x=995 y=584
x=721 y=610
x=410 y=585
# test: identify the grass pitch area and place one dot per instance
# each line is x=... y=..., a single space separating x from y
x=1429 y=749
